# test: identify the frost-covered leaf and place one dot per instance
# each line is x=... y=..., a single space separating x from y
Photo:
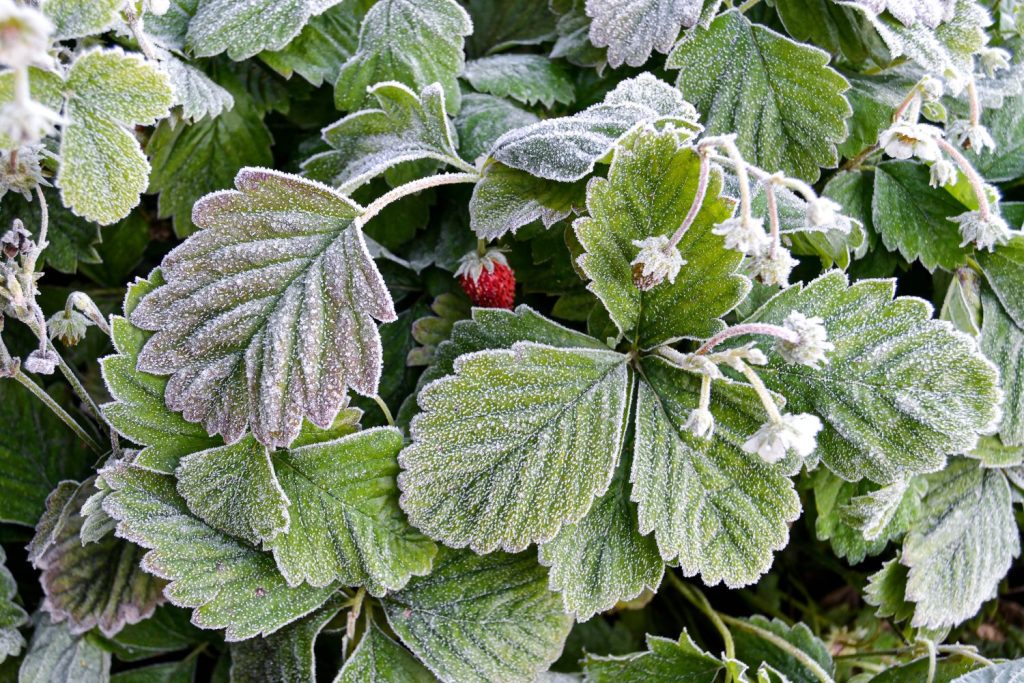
x=195 y=92
x=573 y=29
x=12 y=616
x=230 y=584
x=235 y=489
x=757 y=650
x=1003 y=343
x=378 y=659
x=286 y=655
x=94 y=584
x=323 y=45
x=900 y=391
x=717 y=509
x=650 y=187
x=414 y=42
x=1006 y=672
x=885 y=511
x=485 y=118
x=833 y=27
x=887 y=589
x=1004 y=271
x=346 y=525
x=501 y=24
x=79 y=18
x=138 y=411
x=567 y=149
x=603 y=559
x=1006 y=124
x=664 y=661
x=781 y=98
x=56 y=656
x=168 y=630
x=505 y=199
x=267 y=314
x=526 y=78
x=514 y=444
x=632 y=29
x=480 y=618
x=103 y=170
x=962 y=546
x=406 y=127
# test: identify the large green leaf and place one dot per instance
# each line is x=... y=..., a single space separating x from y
x=267 y=314
x=1005 y=672
x=756 y=650
x=632 y=29
x=501 y=24
x=414 y=42
x=527 y=78
x=665 y=661
x=79 y=18
x=485 y=118
x=505 y=199
x=900 y=391
x=719 y=511
x=1002 y=341
x=481 y=618
x=785 y=104
x=286 y=655
x=56 y=656
x=515 y=444
x=650 y=187
x=378 y=659
x=1004 y=270
x=230 y=584
x=831 y=26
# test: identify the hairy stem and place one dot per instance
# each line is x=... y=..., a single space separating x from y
x=977 y=184
x=695 y=597
x=48 y=401
x=134 y=22
x=384 y=409
x=415 y=186
x=773 y=217
x=698 y=200
x=776 y=331
x=762 y=393
x=974 y=113
x=740 y=166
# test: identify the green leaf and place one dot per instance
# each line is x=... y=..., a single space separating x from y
x=785 y=105
x=962 y=546
x=378 y=659
x=12 y=616
x=946 y=670
x=278 y=251
x=887 y=589
x=573 y=42
x=346 y=525
x=414 y=42
x=1006 y=124
x=195 y=92
x=632 y=29
x=717 y=509
x=603 y=559
x=168 y=630
x=1004 y=270
x=56 y=656
x=1005 y=672
x=505 y=199
x=230 y=584
x=1002 y=341
x=103 y=170
x=80 y=18
x=170 y=672
x=501 y=24
x=286 y=655
x=407 y=127
x=138 y=411
x=900 y=391
x=526 y=78
x=650 y=186
x=485 y=118
x=73 y=240
x=513 y=445
x=480 y=618
x=664 y=661
x=831 y=26
x=756 y=650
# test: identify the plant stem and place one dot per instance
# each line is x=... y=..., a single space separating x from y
x=134 y=22
x=776 y=331
x=740 y=167
x=977 y=184
x=762 y=392
x=384 y=409
x=76 y=384
x=784 y=645
x=773 y=217
x=907 y=101
x=974 y=115
x=48 y=401
x=411 y=188
x=747 y=5
x=695 y=597
x=698 y=200
x=856 y=161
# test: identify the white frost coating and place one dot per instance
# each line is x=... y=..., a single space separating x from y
x=1007 y=672
x=631 y=29
x=909 y=12
x=194 y=91
x=526 y=78
x=872 y=512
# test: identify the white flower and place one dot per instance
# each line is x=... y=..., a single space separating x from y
x=748 y=238
x=943 y=172
x=793 y=432
x=24 y=174
x=977 y=137
x=158 y=7
x=930 y=89
x=812 y=340
x=658 y=260
x=994 y=59
x=69 y=327
x=822 y=212
x=26 y=123
x=735 y=358
x=773 y=271
x=42 y=362
x=24 y=35
x=986 y=234
x=904 y=140
x=701 y=422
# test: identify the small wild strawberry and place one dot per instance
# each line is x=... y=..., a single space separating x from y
x=487 y=279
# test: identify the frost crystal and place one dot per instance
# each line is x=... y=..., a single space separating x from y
x=943 y=172
x=158 y=7
x=976 y=136
x=812 y=343
x=42 y=362
x=657 y=261
x=904 y=140
x=994 y=59
x=747 y=237
x=821 y=212
x=701 y=422
x=986 y=234
x=24 y=35
x=775 y=438
x=773 y=270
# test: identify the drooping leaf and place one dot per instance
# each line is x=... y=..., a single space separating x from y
x=900 y=391
x=756 y=650
x=267 y=314
x=12 y=616
x=526 y=78
x=378 y=659
x=632 y=29
x=650 y=187
x=480 y=618
x=502 y=24
x=229 y=584
x=56 y=656
x=664 y=661
x=286 y=655
x=414 y=42
x=346 y=526
x=514 y=444
x=79 y=18
x=717 y=509
x=407 y=127
x=485 y=118
x=784 y=103
x=1003 y=341
x=505 y=199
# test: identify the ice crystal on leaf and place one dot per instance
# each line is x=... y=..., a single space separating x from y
x=632 y=29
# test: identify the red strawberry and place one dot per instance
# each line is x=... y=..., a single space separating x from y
x=487 y=279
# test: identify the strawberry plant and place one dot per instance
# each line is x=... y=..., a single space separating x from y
x=511 y=340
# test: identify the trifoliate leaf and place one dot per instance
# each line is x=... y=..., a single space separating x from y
x=505 y=199
x=235 y=489
x=195 y=92
x=230 y=584
x=501 y=24
x=526 y=78
x=286 y=655
x=887 y=590
x=267 y=314
x=573 y=42
x=664 y=661
x=1004 y=270
x=632 y=29
x=603 y=559
x=94 y=584
x=138 y=411
x=414 y=42
x=899 y=392
x=485 y=118
x=73 y=240
x=79 y=18
x=480 y=618
x=567 y=149
x=650 y=187
x=346 y=525
x=1007 y=672
x=1002 y=341
x=962 y=546
x=513 y=445
x=12 y=616
x=717 y=509
x=406 y=127
x=756 y=649
x=378 y=659
x=103 y=170
x=780 y=97
x=56 y=656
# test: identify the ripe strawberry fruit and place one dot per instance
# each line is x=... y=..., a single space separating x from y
x=487 y=279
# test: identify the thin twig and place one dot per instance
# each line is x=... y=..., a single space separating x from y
x=59 y=411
